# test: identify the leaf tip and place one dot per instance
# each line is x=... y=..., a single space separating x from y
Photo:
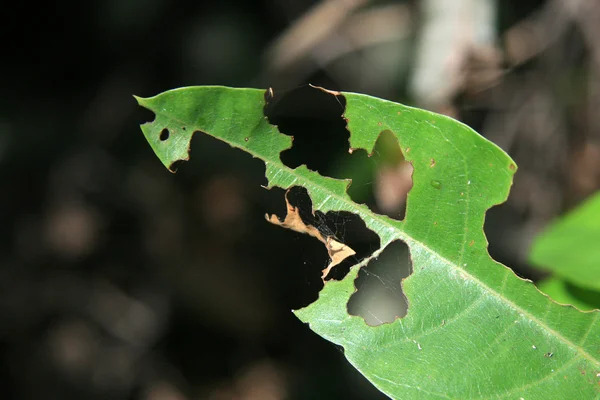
x=140 y=100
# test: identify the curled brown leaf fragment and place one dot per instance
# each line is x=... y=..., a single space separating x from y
x=333 y=92
x=337 y=251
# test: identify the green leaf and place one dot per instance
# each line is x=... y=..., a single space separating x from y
x=473 y=328
x=570 y=246
x=565 y=293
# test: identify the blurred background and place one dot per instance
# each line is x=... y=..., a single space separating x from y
x=120 y=280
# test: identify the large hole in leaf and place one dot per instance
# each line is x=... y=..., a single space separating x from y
x=144 y=116
x=314 y=118
x=197 y=136
x=296 y=259
x=391 y=178
x=345 y=227
x=508 y=241
x=379 y=298
x=277 y=265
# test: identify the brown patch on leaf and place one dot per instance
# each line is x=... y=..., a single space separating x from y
x=337 y=251
x=432 y=163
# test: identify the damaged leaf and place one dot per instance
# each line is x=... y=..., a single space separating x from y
x=337 y=251
x=473 y=329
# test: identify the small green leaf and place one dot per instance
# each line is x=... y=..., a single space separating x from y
x=570 y=247
x=566 y=293
x=473 y=328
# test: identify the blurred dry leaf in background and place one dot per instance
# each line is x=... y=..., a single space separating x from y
x=392 y=185
x=72 y=230
x=264 y=380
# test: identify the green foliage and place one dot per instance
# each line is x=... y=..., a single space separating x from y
x=570 y=247
x=565 y=293
x=473 y=328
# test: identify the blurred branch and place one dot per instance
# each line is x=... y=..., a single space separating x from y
x=451 y=30
x=332 y=30
x=531 y=36
x=312 y=28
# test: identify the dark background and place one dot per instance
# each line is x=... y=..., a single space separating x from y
x=119 y=280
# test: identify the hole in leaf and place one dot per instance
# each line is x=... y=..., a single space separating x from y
x=345 y=227
x=203 y=146
x=379 y=298
x=314 y=119
x=302 y=277
x=391 y=178
x=164 y=134
x=174 y=167
x=294 y=260
x=503 y=228
x=145 y=115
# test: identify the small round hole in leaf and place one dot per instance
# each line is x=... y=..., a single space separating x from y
x=164 y=134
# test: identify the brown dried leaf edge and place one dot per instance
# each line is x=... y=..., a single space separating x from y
x=337 y=251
